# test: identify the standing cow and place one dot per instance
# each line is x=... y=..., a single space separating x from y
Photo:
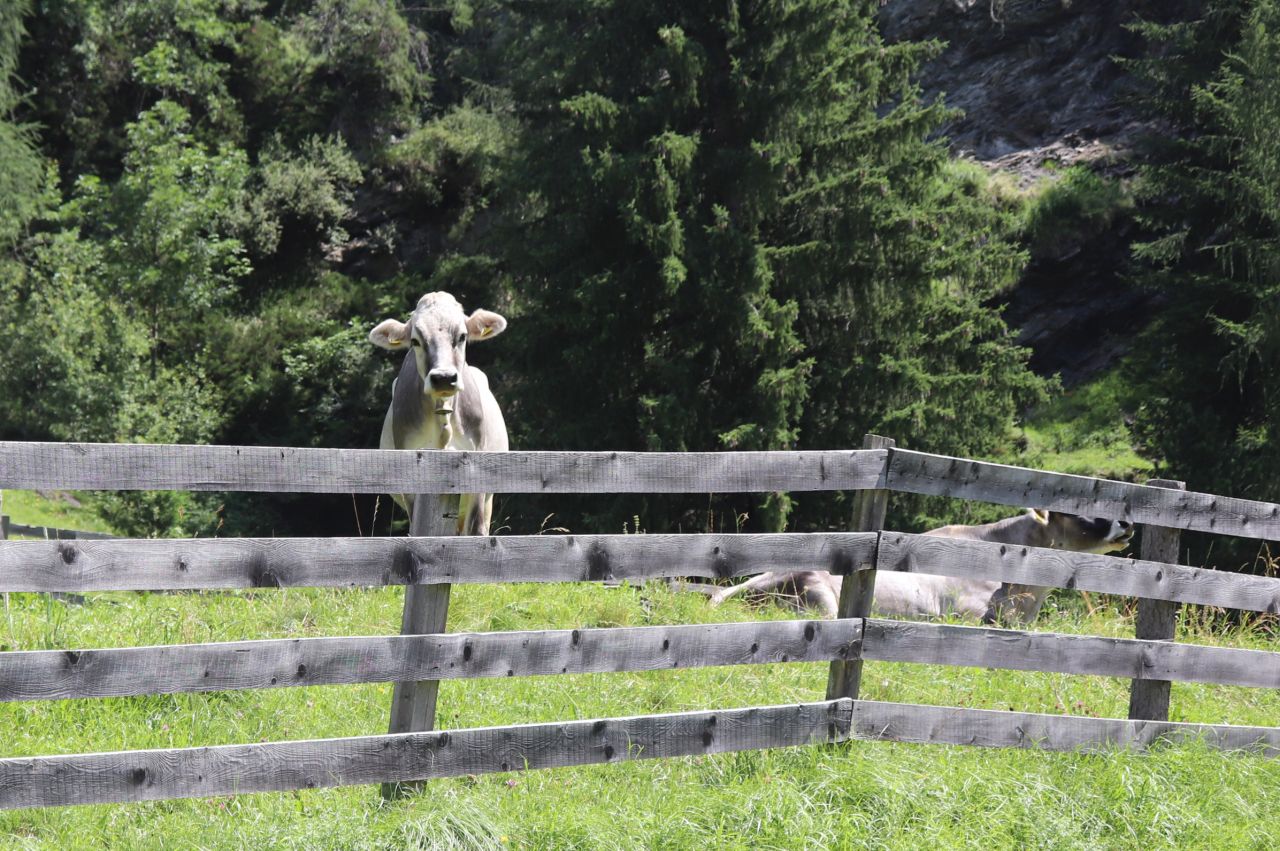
x=438 y=401
x=925 y=595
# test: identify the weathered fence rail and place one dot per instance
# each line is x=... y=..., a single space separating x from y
x=280 y=663
x=418 y=660
x=1077 y=571
x=274 y=663
x=148 y=775
x=89 y=466
x=206 y=563
x=280 y=766
x=48 y=532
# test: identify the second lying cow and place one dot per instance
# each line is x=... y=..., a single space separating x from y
x=922 y=595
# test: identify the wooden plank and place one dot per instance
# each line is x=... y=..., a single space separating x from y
x=858 y=589
x=1157 y=619
x=276 y=766
x=1143 y=660
x=279 y=663
x=4 y=534
x=1083 y=571
x=129 y=565
x=940 y=475
x=50 y=533
x=105 y=466
x=903 y=722
x=426 y=611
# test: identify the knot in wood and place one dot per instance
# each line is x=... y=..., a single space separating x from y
x=404 y=566
x=262 y=576
x=841 y=562
x=598 y=566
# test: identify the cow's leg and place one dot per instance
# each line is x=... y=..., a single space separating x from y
x=757 y=584
x=818 y=592
x=474 y=514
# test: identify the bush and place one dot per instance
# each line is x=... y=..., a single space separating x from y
x=1075 y=206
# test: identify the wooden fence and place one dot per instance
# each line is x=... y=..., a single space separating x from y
x=8 y=528
x=429 y=562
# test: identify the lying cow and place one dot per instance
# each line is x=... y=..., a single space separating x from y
x=922 y=595
x=438 y=401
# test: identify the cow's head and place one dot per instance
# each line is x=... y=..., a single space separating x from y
x=437 y=333
x=1083 y=534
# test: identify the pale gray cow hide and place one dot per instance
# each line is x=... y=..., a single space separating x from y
x=439 y=401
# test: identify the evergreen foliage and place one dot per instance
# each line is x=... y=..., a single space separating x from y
x=712 y=228
x=730 y=231
x=21 y=171
x=1211 y=202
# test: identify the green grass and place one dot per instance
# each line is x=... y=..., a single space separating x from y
x=856 y=795
x=1071 y=207
x=60 y=509
x=1084 y=431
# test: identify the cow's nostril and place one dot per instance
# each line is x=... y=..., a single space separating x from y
x=441 y=378
x=1125 y=524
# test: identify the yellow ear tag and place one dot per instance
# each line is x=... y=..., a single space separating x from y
x=394 y=343
x=484 y=332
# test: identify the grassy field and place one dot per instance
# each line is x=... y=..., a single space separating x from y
x=855 y=795
x=60 y=509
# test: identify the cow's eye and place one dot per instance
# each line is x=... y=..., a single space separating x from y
x=415 y=342
x=462 y=338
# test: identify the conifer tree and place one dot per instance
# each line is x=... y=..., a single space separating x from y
x=1211 y=204
x=21 y=171
x=733 y=232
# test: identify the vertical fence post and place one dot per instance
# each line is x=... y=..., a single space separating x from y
x=869 y=508
x=1157 y=619
x=4 y=536
x=426 y=610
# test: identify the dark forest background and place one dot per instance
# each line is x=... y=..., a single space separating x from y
x=711 y=226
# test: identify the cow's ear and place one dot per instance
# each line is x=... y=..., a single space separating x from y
x=390 y=334
x=1039 y=515
x=485 y=325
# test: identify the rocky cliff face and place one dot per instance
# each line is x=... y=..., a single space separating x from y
x=1036 y=79
x=1040 y=88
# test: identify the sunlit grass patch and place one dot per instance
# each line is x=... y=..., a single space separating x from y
x=854 y=795
x=58 y=509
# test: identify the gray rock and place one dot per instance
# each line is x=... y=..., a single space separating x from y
x=1036 y=78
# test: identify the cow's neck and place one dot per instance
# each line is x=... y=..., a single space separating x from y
x=1023 y=529
x=444 y=429
x=437 y=425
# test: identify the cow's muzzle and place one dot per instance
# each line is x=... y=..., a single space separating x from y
x=1122 y=532
x=442 y=387
x=444 y=382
